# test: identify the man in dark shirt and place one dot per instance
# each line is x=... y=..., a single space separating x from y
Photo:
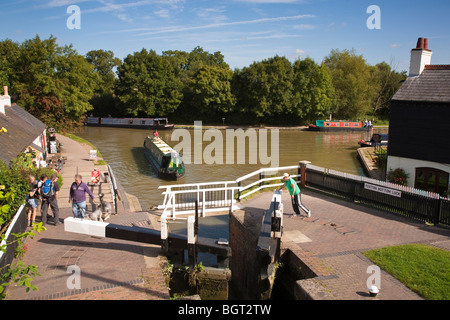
x=77 y=196
x=51 y=200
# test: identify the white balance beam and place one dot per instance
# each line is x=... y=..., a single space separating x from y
x=89 y=227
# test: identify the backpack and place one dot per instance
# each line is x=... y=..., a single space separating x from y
x=47 y=189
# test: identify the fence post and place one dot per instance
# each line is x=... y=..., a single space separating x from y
x=437 y=215
x=239 y=191
x=302 y=165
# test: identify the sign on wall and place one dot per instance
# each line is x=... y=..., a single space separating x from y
x=384 y=190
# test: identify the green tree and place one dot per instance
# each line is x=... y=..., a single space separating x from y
x=104 y=63
x=211 y=92
x=51 y=82
x=264 y=91
x=353 y=84
x=188 y=67
x=388 y=81
x=104 y=100
x=9 y=53
x=148 y=85
x=313 y=91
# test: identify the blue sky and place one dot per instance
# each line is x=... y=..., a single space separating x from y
x=243 y=30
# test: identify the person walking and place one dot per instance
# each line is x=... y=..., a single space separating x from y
x=50 y=200
x=77 y=196
x=32 y=196
x=295 y=193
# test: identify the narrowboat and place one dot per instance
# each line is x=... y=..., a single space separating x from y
x=338 y=126
x=139 y=123
x=378 y=139
x=166 y=160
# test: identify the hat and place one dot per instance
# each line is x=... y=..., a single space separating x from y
x=285 y=175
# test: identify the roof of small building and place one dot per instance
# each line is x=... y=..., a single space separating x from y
x=22 y=129
x=432 y=85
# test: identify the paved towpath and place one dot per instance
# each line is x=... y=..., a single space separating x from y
x=110 y=269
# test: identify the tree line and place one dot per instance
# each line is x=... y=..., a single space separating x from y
x=60 y=86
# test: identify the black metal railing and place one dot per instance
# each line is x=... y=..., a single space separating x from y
x=404 y=201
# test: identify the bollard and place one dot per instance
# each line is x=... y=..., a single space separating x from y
x=192 y=239
x=164 y=236
x=277 y=215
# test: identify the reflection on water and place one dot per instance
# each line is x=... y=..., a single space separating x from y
x=123 y=150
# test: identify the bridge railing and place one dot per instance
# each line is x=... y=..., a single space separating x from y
x=185 y=199
x=263 y=179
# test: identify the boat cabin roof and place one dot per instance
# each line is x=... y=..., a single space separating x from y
x=163 y=146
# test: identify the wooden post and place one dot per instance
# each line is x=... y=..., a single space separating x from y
x=303 y=165
x=239 y=191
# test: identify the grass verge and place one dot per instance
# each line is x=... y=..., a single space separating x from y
x=422 y=268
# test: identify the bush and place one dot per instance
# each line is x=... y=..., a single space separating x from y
x=381 y=159
x=13 y=189
x=398 y=176
x=14 y=185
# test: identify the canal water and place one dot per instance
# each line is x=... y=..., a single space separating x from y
x=123 y=150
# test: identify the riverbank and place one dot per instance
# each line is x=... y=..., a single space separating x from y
x=224 y=127
x=367 y=157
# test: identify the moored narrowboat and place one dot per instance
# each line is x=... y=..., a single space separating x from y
x=378 y=139
x=166 y=160
x=139 y=123
x=338 y=125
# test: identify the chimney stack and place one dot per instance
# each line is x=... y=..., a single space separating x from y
x=420 y=57
x=5 y=100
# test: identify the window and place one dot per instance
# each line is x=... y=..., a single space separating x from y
x=433 y=180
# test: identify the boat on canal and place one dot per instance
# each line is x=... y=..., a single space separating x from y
x=164 y=158
x=378 y=139
x=139 y=123
x=338 y=126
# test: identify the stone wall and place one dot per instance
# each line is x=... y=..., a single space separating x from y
x=245 y=227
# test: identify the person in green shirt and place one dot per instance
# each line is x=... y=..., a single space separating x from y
x=294 y=191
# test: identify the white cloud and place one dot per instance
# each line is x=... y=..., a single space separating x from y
x=395 y=45
x=163 y=13
x=304 y=27
x=62 y=3
x=271 y=1
x=225 y=24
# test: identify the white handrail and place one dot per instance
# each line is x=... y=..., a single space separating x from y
x=265 y=170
